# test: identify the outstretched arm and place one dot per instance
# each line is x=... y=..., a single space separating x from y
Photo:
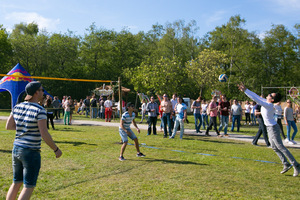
x=253 y=95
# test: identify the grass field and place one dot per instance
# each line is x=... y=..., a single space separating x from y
x=196 y=167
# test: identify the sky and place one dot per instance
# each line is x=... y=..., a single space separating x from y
x=59 y=16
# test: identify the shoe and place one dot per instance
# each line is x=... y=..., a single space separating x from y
x=165 y=136
x=148 y=134
x=254 y=144
x=296 y=170
x=154 y=134
x=286 y=140
x=226 y=135
x=199 y=131
x=171 y=137
x=220 y=135
x=206 y=134
x=140 y=155
x=293 y=142
x=121 y=158
x=290 y=142
x=286 y=168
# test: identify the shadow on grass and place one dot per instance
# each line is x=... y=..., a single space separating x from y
x=205 y=139
x=5 y=151
x=75 y=143
x=171 y=161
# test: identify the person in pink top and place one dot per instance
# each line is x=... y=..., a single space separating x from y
x=213 y=112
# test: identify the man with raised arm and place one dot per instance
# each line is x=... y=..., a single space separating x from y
x=273 y=129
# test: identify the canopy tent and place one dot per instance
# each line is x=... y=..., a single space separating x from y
x=16 y=85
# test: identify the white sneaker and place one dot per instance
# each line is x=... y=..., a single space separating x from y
x=290 y=142
x=249 y=124
x=245 y=123
x=293 y=142
x=286 y=140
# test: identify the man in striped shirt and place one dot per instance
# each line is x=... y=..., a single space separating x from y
x=125 y=131
x=29 y=119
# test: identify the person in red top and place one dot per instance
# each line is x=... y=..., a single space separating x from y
x=224 y=107
x=213 y=112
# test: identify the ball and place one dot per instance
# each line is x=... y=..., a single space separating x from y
x=223 y=78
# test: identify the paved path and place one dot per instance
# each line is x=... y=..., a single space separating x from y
x=232 y=136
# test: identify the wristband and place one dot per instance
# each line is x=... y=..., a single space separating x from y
x=56 y=150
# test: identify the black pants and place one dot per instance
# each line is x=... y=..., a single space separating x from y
x=212 y=122
x=247 y=117
x=261 y=130
x=56 y=113
x=50 y=117
x=152 y=121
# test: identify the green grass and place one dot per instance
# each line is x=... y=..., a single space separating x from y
x=90 y=169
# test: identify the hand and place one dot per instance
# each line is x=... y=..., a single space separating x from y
x=138 y=130
x=242 y=87
x=58 y=153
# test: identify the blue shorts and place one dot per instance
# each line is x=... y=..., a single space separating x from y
x=124 y=135
x=26 y=166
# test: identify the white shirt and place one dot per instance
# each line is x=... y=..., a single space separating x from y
x=247 y=108
x=267 y=109
x=108 y=104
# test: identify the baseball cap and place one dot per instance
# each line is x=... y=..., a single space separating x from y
x=31 y=88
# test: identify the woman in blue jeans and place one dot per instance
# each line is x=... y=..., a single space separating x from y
x=290 y=123
x=197 y=114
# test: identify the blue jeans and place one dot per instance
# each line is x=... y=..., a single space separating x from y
x=197 y=117
x=253 y=119
x=224 y=123
x=204 y=120
x=238 y=119
x=87 y=111
x=288 y=127
x=94 y=112
x=26 y=166
x=167 y=121
x=178 y=122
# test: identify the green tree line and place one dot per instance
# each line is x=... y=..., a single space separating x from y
x=168 y=58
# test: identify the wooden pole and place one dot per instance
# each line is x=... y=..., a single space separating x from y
x=120 y=96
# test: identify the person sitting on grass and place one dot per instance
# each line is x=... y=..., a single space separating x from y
x=273 y=129
x=125 y=131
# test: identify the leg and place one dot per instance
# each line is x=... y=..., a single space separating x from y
x=169 y=120
x=295 y=130
x=233 y=122
x=238 y=123
x=154 y=125
x=214 y=120
x=281 y=128
x=175 y=128
x=209 y=126
x=136 y=144
x=13 y=191
x=265 y=134
x=222 y=123
x=123 y=147
x=277 y=145
x=196 y=122
x=259 y=132
x=225 y=122
x=51 y=120
x=164 y=120
x=181 y=122
x=149 y=125
x=26 y=193
x=288 y=130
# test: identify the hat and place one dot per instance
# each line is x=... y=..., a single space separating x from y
x=31 y=88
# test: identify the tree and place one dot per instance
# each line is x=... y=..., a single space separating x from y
x=5 y=50
x=162 y=76
x=205 y=69
x=280 y=56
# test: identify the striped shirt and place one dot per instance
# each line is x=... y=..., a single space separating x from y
x=26 y=116
x=127 y=119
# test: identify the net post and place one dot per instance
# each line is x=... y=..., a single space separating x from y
x=120 y=96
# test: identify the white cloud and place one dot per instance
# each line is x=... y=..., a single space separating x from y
x=287 y=5
x=216 y=17
x=28 y=17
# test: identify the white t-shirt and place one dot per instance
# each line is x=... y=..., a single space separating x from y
x=204 y=108
x=247 y=108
